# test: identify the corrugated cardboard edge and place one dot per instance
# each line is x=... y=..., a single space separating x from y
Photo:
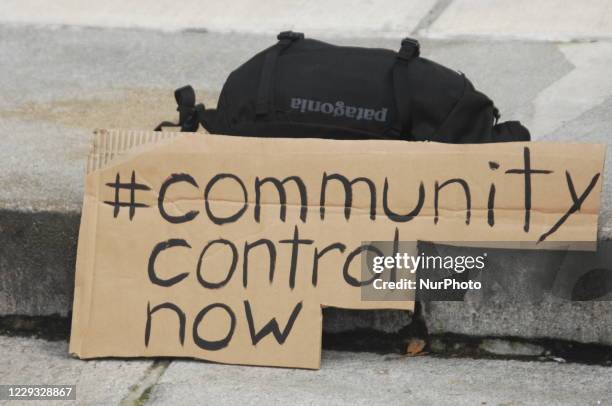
x=83 y=281
x=106 y=146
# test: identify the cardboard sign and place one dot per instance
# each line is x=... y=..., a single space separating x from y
x=226 y=248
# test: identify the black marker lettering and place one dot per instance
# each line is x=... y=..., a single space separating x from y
x=282 y=195
x=318 y=255
x=169 y=306
x=212 y=285
x=576 y=203
x=468 y=198
x=175 y=178
x=272 y=255
x=162 y=246
x=348 y=194
x=491 y=206
x=271 y=326
x=527 y=171
x=349 y=259
x=217 y=344
x=402 y=218
x=393 y=273
x=235 y=216
x=295 y=242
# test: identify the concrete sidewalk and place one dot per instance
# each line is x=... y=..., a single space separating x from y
x=345 y=378
x=524 y=19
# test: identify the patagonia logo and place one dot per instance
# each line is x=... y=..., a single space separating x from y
x=338 y=109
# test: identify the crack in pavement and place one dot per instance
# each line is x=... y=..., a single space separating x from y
x=139 y=393
x=428 y=19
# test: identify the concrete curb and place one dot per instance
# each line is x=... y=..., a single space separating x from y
x=37 y=258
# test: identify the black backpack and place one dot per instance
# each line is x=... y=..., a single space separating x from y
x=308 y=88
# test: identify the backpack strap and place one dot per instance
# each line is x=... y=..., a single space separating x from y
x=190 y=114
x=409 y=50
x=265 y=90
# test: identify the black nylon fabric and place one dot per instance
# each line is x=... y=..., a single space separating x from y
x=308 y=88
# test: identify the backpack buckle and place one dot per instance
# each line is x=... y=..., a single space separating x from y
x=290 y=35
x=410 y=48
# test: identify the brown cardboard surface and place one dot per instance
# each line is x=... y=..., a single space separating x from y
x=219 y=196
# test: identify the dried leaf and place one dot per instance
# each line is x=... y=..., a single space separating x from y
x=415 y=347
